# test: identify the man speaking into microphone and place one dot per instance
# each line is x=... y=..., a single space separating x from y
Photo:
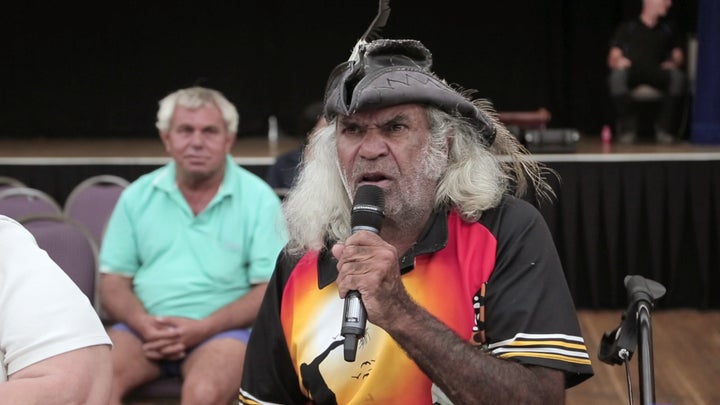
x=465 y=296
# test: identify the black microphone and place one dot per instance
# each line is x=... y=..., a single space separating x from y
x=367 y=215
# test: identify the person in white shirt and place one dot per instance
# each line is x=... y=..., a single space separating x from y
x=53 y=346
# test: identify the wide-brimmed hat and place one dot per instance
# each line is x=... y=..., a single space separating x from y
x=390 y=72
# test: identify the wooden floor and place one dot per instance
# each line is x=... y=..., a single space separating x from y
x=686 y=346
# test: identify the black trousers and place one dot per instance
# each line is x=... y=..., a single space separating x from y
x=670 y=82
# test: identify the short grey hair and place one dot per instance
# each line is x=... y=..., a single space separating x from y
x=196 y=97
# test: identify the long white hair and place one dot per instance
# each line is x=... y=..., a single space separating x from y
x=473 y=178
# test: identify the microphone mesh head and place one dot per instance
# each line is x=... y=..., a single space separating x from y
x=367 y=210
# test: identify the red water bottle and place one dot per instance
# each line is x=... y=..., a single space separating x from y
x=606 y=138
x=606 y=134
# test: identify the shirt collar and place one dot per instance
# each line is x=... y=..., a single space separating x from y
x=166 y=181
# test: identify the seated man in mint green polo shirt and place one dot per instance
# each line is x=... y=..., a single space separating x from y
x=187 y=255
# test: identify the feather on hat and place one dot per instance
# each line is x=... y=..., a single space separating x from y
x=385 y=72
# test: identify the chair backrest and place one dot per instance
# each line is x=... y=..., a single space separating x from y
x=692 y=55
x=19 y=202
x=92 y=201
x=71 y=246
x=8 y=182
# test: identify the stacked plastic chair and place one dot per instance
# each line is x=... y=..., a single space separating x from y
x=92 y=201
x=20 y=202
x=71 y=246
x=9 y=182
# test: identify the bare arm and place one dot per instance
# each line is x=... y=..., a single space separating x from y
x=161 y=337
x=676 y=61
x=121 y=303
x=170 y=337
x=81 y=376
x=370 y=265
x=240 y=313
x=617 y=60
x=119 y=300
x=482 y=378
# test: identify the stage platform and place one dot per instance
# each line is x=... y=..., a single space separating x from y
x=259 y=149
x=642 y=209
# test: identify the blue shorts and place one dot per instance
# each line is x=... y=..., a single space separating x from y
x=171 y=368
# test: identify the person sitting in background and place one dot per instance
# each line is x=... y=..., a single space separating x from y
x=647 y=50
x=465 y=294
x=281 y=175
x=53 y=347
x=187 y=254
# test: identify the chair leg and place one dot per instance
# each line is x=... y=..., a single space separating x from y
x=625 y=125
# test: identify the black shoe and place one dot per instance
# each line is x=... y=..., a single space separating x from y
x=626 y=138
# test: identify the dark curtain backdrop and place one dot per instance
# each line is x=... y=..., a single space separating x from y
x=73 y=71
x=658 y=219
